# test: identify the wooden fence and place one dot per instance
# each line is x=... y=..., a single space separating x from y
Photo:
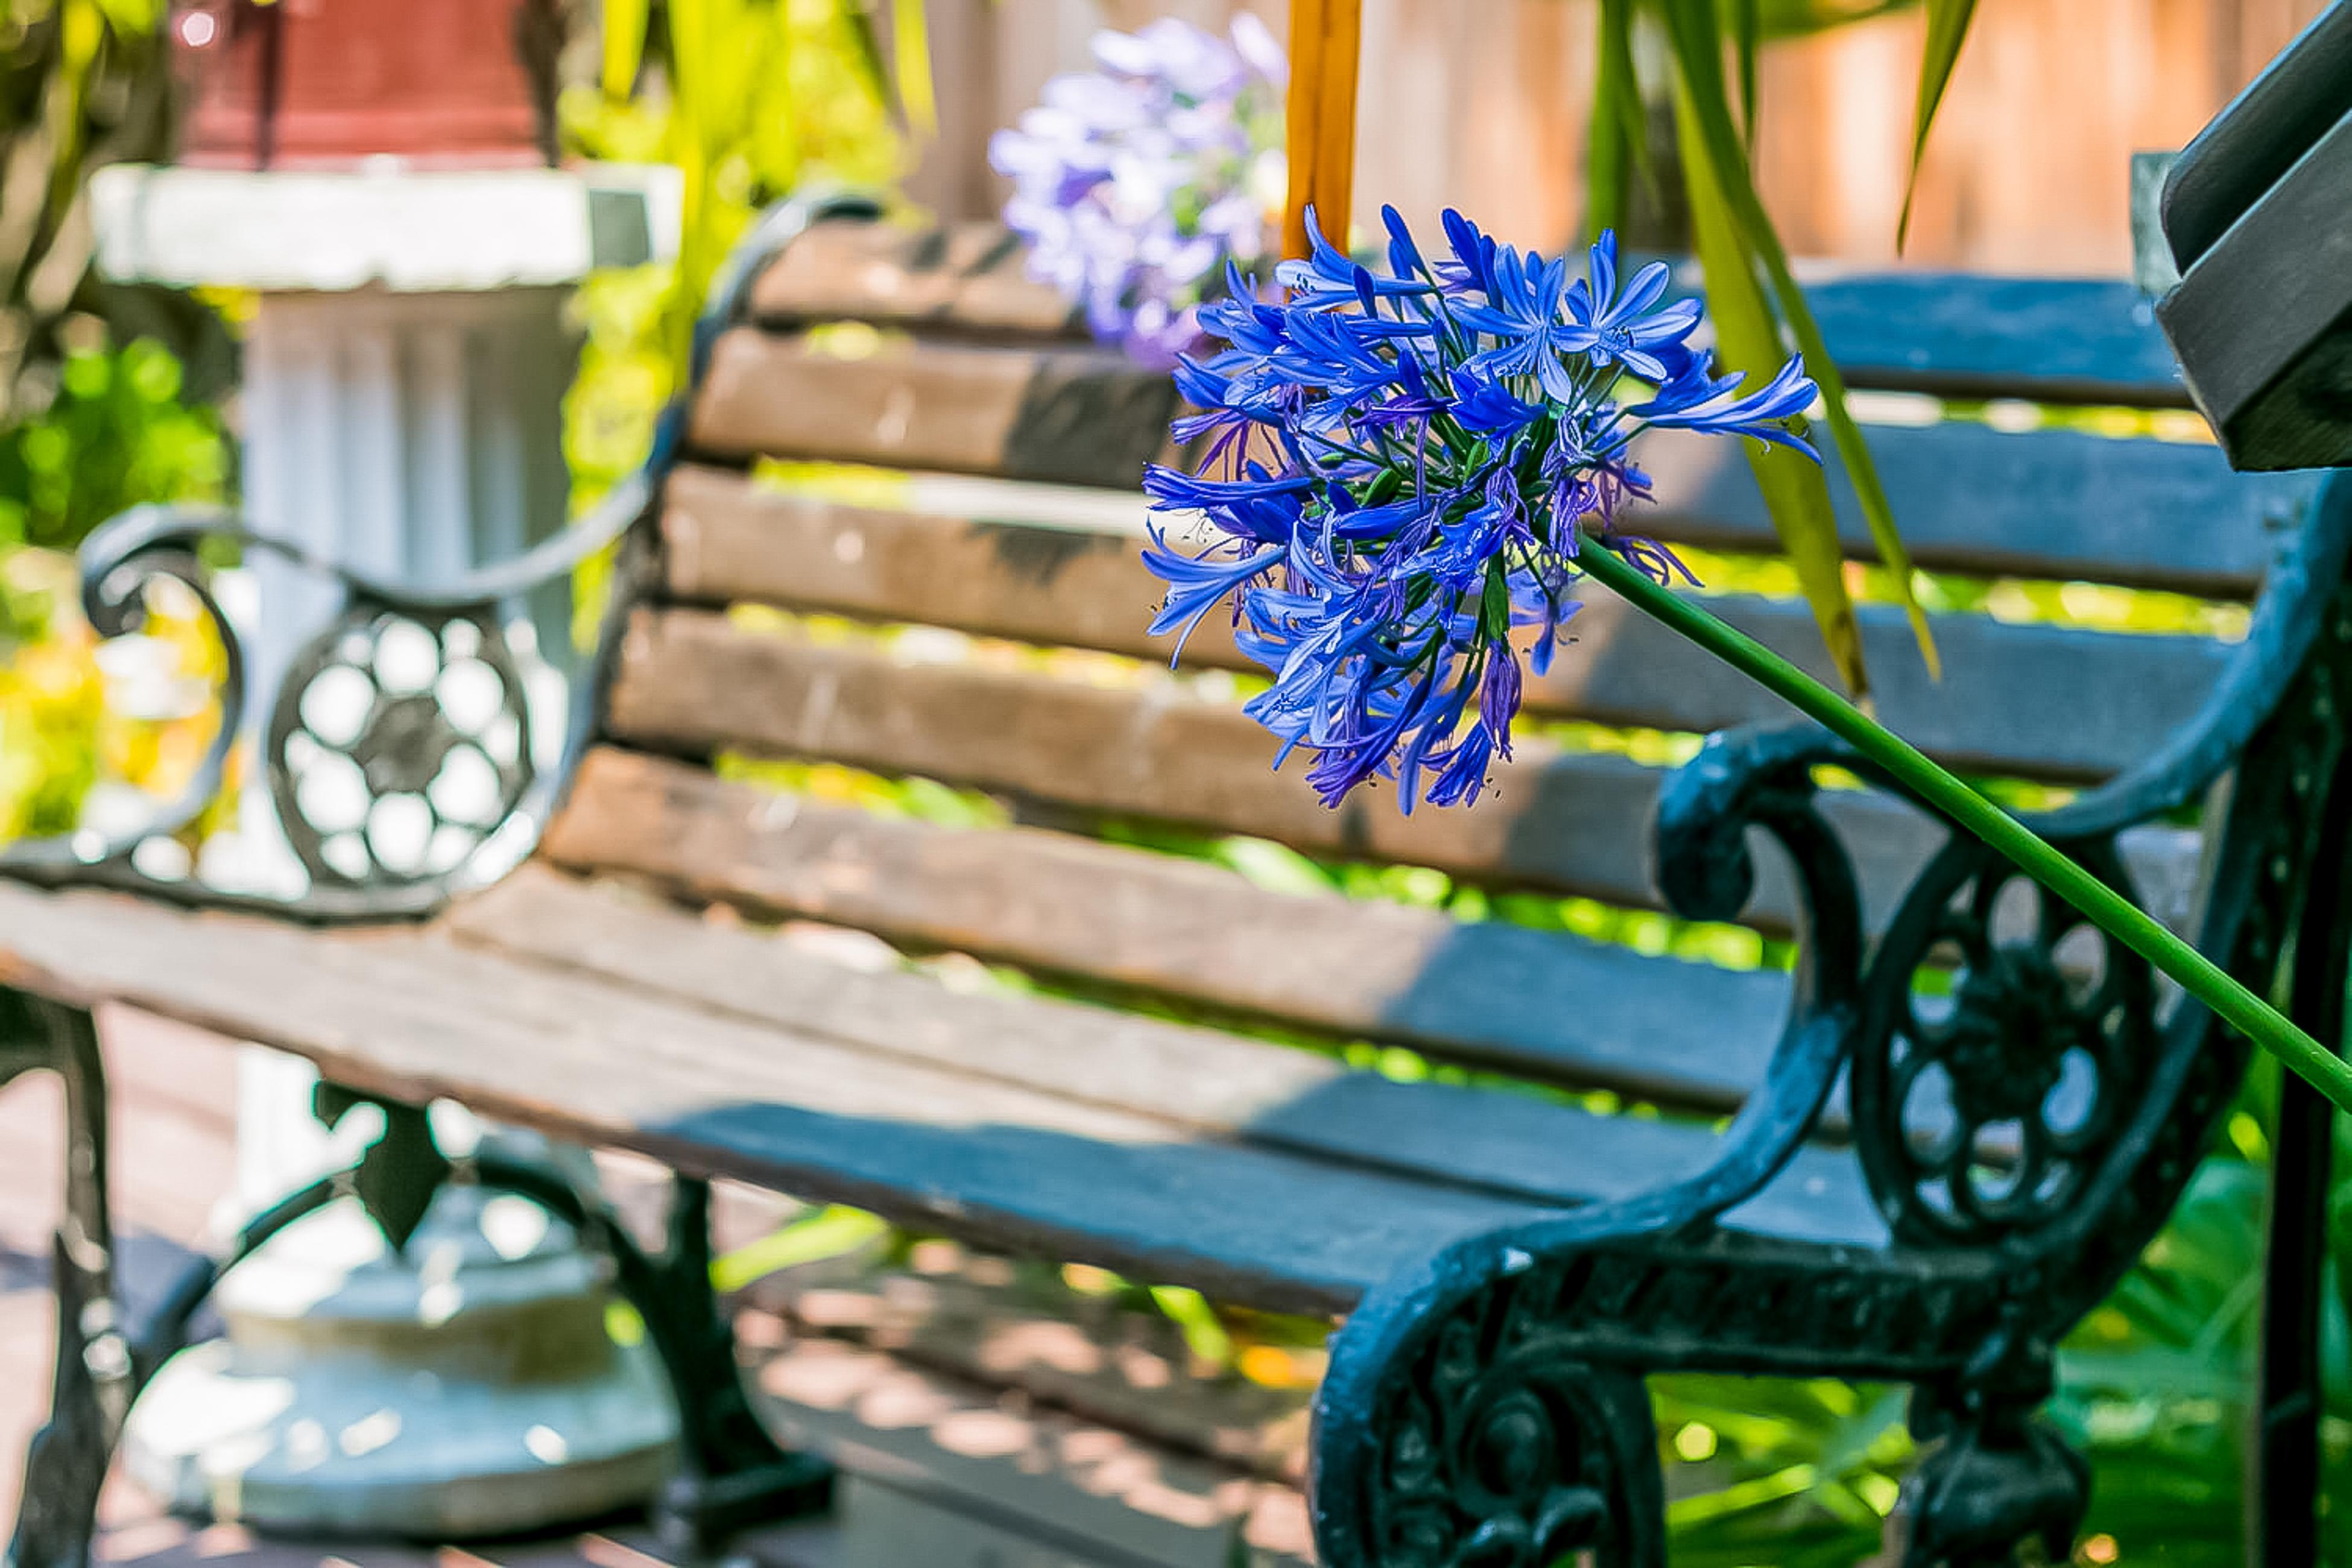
x=1482 y=104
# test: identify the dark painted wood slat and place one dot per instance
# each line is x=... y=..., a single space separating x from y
x=1968 y=498
x=414 y=1014
x=1217 y=1083
x=729 y=539
x=2044 y=503
x=1073 y=414
x=691 y=681
x=2054 y=340
x=409 y=1015
x=1959 y=334
x=1544 y=1005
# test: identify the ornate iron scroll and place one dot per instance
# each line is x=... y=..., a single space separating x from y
x=1981 y=1113
x=1486 y=1407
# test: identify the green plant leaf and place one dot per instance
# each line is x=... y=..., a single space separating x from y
x=1695 y=32
x=1803 y=18
x=1748 y=340
x=625 y=24
x=1746 y=35
x=1618 y=145
x=869 y=51
x=1948 y=29
x=131 y=18
x=911 y=45
x=813 y=1238
x=774 y=132
x=1204 y=1333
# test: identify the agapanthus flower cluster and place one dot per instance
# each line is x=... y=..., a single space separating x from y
x=1400 y=471
x=1136 y=184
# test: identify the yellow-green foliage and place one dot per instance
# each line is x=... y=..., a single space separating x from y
x=748 y=99
x=60 y=736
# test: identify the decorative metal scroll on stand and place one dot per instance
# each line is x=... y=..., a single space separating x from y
x=404 y=693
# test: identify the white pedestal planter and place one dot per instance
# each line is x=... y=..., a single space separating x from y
x=467 y=1388
x=412 y=435
x=403 y=396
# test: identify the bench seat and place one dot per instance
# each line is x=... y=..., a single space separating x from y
x=888 y=538
x=1254 y=1173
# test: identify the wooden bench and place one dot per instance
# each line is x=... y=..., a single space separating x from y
x=1927 y=1189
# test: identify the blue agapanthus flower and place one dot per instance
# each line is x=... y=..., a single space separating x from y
x=1399 y=470
x=1135 y=182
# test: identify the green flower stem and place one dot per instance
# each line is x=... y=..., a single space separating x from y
x=2105 y=907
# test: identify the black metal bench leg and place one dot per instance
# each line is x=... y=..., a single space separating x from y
x=2282 y=1493
x=2282 y=1516
x=732 y=1474
x=66 y=1466
x=1994 y=1476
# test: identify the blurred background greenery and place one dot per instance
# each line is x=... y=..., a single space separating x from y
x=111 y=396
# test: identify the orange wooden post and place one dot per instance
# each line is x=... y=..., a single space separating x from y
x=1325 y=39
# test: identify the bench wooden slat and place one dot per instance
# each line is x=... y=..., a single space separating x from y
x=972 y=278
x=1957 y=334
x=1072 y=414
x=2044 y=503
x=692 y=681
x=726 y=1090
x=730 y=537
x=1219 y=1084
x=1969 y=498
x=1970 y=336
x=407 y=1014
x=1541 y=1005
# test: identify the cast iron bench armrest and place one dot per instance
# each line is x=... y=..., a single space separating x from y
x=125 y=555
x=1468 y=1341
x=1533 y=1337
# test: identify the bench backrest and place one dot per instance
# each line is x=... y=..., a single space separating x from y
x=1007 y=512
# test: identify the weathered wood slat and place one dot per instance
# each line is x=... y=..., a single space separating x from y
x=407 y=1014
x=1969 y=498
x=1544 y=1005
x=725 y=1091
x=1076 y=415
x=1215 y=1083
x=972 y=278
x=691 y=681
x=1970 y=335
x=730 y=537
x=2044 y=503
x=1958 y=334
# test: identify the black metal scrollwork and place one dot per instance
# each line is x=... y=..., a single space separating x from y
x=1487 y=1410
x=371 y=789
x=399 y=742
x=1498 y=1446
x=1981 y=1113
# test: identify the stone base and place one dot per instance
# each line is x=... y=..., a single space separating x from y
x=356 y=1449
x=470 y=1385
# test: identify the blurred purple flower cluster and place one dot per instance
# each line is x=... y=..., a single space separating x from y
x=1134 y=183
